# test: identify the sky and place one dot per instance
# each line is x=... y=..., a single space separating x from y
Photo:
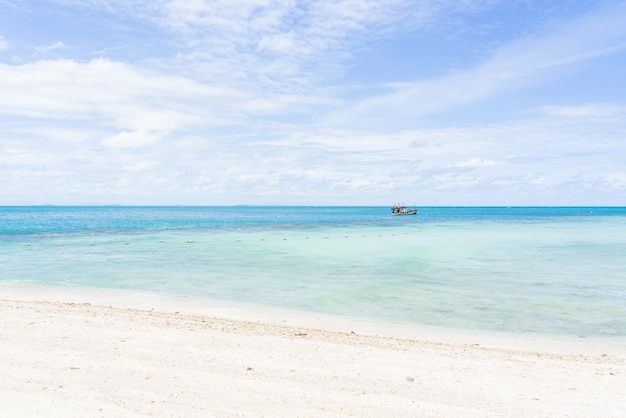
x=312 y=102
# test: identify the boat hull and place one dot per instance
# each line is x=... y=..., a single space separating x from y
x=410 y=212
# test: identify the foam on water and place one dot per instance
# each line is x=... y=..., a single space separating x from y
x=537 y=270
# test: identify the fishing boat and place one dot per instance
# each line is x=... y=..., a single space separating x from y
x=400 y=209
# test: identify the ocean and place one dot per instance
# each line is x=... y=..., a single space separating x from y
x=525 y=270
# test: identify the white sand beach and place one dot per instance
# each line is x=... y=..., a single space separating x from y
x=71 y=357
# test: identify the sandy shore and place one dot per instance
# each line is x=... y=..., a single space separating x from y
x=72 y=358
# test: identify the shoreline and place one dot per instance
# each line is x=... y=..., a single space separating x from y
x=249 y=311
x=133 y=299
x=68 y=355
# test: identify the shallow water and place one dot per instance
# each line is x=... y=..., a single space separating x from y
x=524 y=270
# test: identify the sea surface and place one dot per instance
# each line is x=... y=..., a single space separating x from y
x=525 y=270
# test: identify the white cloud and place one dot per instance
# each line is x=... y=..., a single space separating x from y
x=119 y=96
x=591 y=110
x=616 y=181
x=477 y=162
x=139 y=138
x=142 y=166
x=312 y=166
x=47 y=48
x=286 y=46
x=3 y=44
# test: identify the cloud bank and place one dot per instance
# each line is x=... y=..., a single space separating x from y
x=268 y=102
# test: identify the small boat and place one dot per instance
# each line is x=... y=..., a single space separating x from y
x=401 y=209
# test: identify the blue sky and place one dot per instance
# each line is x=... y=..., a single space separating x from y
x=338 y=102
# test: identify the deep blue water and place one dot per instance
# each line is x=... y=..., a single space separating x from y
x=76 y=219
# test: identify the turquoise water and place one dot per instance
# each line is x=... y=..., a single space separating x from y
x=530 y=270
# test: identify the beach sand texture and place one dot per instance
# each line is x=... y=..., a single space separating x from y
x=77 y=359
